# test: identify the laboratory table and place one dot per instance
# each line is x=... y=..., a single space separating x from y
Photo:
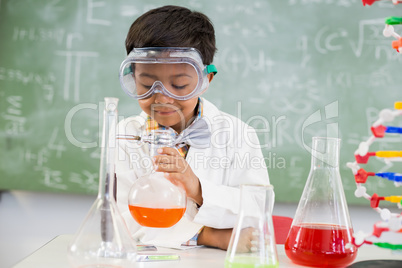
x=54 y=254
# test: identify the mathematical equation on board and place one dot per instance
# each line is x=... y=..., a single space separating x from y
x=56 y=179
x=42 y=159
x=15 y=125
x=49 y=88
x=328 y=40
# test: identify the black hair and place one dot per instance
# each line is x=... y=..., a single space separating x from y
x=173 y=26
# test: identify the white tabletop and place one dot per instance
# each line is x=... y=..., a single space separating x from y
x=54 y=254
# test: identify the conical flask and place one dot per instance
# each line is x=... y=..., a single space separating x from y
x=252 y=243
x=153 y=200
x=103 y=239
x=321 y=231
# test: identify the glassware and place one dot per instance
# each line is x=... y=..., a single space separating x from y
x=103 y=239
x=321 y=231
x=252 y=243
x=153 y=200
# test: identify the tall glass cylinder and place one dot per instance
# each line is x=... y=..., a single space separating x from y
x=321 y=231
x=103 y=239
x=252 y=243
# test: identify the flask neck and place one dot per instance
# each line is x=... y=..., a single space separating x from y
x=159 y=138
x=325 y=152
x=257 y=199
x=107 y=162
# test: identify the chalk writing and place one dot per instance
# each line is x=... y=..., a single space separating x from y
x=329 y=41
x=53 y=178
x=302 y=45
x=91 y=6
x=340 y=79
x=73 y=70
x=297 y=106
x=38 y=159
x=55 y=143
x=284 y=133
x=129 y=11
x=287 y=102
x=195 y=4
x=295 y=172
x=364 y=26
x=85 y=179
x=38 y=34
x=52 y=10
x=342 y=3
x=24 y=77
x=255 y=31
x=377 y=78
x=250 y=8
x=239 y=60
x=14 y=119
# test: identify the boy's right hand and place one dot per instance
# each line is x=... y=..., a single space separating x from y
x=178 y=171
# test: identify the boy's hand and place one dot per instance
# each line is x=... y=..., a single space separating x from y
x=217 y=238
x=220 y=238
x=178 y=171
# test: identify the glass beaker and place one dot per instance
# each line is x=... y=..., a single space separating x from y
x=252 y=243
x=321 y=231
x=153 y=200
x=103 y=239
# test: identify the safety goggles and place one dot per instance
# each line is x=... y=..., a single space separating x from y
x=176 y=72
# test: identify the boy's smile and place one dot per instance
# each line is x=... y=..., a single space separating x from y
x=164 y=112
x=169 y=112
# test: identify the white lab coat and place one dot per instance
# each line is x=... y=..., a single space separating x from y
x=233 y=158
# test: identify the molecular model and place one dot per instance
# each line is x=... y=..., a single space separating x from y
x=389 y=31
x=370 y=2
x=391 y=222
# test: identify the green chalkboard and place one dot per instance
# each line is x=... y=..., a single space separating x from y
x=293 y=69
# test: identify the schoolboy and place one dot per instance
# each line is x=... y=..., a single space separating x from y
x=209 y=170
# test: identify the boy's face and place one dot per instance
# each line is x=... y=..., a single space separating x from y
x=176 y=78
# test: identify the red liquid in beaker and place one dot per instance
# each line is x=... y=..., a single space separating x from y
x=320 y=245
x=157 y=217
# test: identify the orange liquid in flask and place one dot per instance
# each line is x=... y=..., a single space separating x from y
x=320 y=245
x=157 y=217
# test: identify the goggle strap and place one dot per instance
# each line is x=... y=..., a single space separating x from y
x=211 y=69
x=128 y=70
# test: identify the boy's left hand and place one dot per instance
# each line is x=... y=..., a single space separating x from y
x=178 y=171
